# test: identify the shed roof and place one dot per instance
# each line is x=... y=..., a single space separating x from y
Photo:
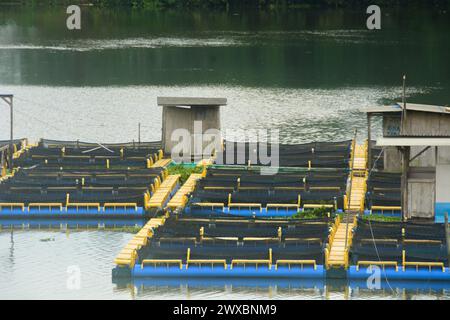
x=413 y=141
x=191 y=101
x=409 y=106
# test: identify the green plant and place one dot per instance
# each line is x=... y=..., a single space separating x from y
x=379 y=217
x=126 y=229
x=184 y=170
x=313 y=214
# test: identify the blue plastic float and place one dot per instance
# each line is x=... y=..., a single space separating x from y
x=71 y=212
x=70 y=223
x=235 y=272
x=242 y=212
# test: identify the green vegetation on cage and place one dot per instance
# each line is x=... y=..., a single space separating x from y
x=382 y=218
x=313 y=213
x=184 y=171
x=126 y=229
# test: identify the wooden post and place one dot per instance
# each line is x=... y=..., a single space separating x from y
x=2 y=157
x=8 y=98
x=403 y=117
x=139 y=134
x=447 y=235
x=11 y=152
x=369 y=142
x=404 y=183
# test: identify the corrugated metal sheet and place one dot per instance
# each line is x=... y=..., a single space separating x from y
x=191 y=101
x=413 y=141
x=409 y=106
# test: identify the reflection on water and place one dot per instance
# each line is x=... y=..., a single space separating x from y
x=34 y=265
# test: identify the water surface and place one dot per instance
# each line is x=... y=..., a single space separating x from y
x=304 y=72
x=41 y=264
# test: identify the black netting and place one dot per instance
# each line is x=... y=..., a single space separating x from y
x=218 y=196
x=377 y=157
x=80 y=163
x=228 y=253
x=386 y=241
x=240 y=228
x=54 y=196
x=322 y=155
x=48 y=143
x=79 y=173
x=249 y=186
x=383 y=189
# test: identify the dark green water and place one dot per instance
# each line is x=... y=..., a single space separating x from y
x=304 y=72
x=293 y=49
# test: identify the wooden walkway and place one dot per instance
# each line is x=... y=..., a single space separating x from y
x=358 y=178
x=179 y=200
x=159 y=199
x=128 y=255
x=162 y=163
x=360 y=157
x=340 y=245
x=341 y=236
x=357 y=193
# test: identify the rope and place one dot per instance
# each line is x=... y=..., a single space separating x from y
x=97 y=148
x=52 y=109
x=370 y=222
x=48 y=124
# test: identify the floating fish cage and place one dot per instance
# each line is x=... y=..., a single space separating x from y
x=384 y=194
x=57 y=179
x=399 y=251
x=230 y=221
x=70 y=223
x=246 y=192
x=189 y=246
x=307 y=155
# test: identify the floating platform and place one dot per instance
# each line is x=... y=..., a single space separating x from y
x=246 y=192
x=57 y=211
x=399 y=251
x=230 y=271
x=228 y=221
x=226 y=247
x=66 y=180
x=248 y=210
x=67 y=223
